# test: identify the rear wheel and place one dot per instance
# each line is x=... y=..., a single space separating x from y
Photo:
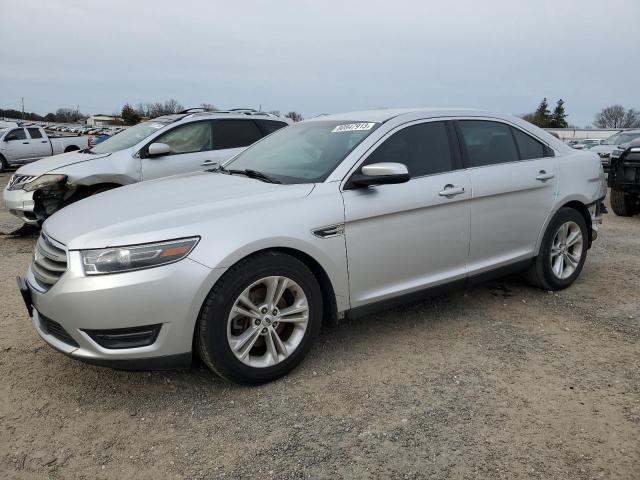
x=260 y=319
x=622 y=204
x=562 y=253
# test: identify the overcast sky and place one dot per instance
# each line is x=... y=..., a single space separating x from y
x=321 y=57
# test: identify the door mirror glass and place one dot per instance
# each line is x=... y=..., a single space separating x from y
x=380 y=174
x=157 y=149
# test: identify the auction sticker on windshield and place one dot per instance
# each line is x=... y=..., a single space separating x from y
x=352 y=127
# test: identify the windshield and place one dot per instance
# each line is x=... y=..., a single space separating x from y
x=129 y=137
x=304 y=153
x=620 y=138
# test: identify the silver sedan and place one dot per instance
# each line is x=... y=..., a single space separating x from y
x=335 y=216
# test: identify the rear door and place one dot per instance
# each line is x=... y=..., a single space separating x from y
x=40 y=146
x=232 y=136
x=514 y=181
x=407 y=237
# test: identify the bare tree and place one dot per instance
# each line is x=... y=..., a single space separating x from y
x=616 y=116
x=209 y=107
x=172 y=106
x=295 y=116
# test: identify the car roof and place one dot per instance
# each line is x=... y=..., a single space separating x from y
x=385 y=114
x=240 y=114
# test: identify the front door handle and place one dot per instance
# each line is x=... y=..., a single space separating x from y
x=25 y=143
x=451 y=191
x=43 y=141
x=544 y=176
x=208 y=163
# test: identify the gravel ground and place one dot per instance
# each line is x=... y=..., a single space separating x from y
x=503 y=381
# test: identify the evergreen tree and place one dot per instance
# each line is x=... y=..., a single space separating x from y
x=542 y=115
x=559 y=116
x=129 y=115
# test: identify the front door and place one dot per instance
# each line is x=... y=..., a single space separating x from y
x=40 y=145
x=407 y=237
x=17 y=146
x=190 y=146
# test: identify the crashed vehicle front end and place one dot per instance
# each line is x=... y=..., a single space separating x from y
x=32 y=199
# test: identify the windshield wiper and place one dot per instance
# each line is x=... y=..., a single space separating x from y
x=252 y=174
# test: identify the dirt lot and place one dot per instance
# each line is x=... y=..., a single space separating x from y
x=503 y=381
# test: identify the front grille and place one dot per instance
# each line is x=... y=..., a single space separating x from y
x=17 y=181
x=56 y=330
x=49 y=262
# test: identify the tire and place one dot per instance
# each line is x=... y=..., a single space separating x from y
x=72 y=148
x=4 y=165
x=543 y=273
x=622 y=204
x=217 y=327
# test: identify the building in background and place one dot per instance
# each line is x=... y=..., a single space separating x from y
x=100 y=120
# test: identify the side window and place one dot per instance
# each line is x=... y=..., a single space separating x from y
x=529 y=147
x=18 y=134
x=269 y=126
x=488 y=143
x=423 y=148
x=193 y=137
x=234 y=133
x=34 y=133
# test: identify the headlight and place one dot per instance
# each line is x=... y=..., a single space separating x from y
x=136 y=257
x=44 y=181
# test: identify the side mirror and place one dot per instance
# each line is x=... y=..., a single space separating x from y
x=157 y=149
x=380 y=174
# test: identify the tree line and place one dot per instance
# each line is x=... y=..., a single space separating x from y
x=614 y=116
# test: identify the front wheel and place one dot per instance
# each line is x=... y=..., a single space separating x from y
x=562 y=253
x=4 y=165
x=260 y=319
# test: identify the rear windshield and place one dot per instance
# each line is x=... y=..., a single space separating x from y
x=129 y=137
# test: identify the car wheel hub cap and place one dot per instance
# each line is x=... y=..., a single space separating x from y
x=268 y=321
x=566 y=250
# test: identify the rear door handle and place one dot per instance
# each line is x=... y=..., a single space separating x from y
x=43 y=141
x=544 y=176
x=25 y=143
x=451 y=191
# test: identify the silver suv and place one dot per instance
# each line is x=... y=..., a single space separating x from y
x=340 y=214
x=164 y=146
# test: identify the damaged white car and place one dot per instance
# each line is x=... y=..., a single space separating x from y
x=161 y=147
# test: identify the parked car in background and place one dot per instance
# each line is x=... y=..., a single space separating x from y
x=586 y=143
x=607 y=147
x=341 y=214
x=158 y=148
x=624 y=180
x=23 y=144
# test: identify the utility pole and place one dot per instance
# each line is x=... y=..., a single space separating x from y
x=22 y=99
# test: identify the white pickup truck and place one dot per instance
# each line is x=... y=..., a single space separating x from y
x=20 y=145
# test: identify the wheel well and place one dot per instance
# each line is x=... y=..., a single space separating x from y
x=582 y=209
x=71 y=148
x=330 y=316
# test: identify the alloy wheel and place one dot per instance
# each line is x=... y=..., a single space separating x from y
x=566 y=250
x=268 y=321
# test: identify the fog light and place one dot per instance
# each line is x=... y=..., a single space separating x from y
x=125 y=337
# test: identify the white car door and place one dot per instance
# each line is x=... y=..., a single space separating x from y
x=16 y=145
x=406 y=237
x=190 y=146
x=40 y=146
x=514 y=181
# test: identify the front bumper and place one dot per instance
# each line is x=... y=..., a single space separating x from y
x=21 y=204
x=170 y=295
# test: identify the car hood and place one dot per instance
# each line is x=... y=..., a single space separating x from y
x=48 y=164
x=163 y=209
